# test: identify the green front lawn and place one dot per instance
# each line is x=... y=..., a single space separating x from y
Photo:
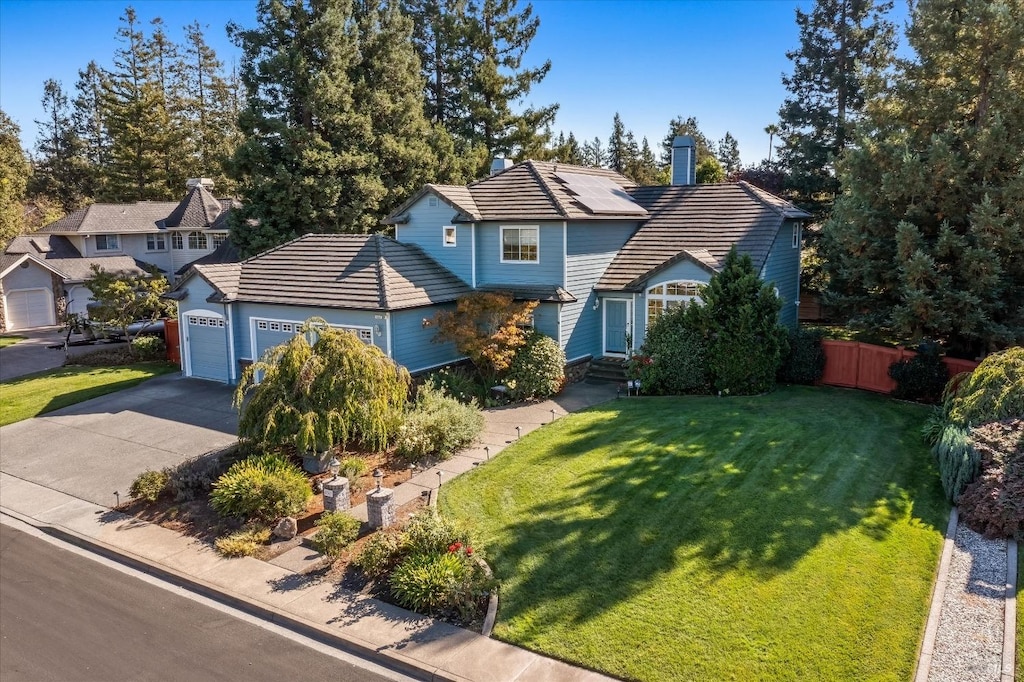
x=10 y=340
x=788 y=536
x=36 y=394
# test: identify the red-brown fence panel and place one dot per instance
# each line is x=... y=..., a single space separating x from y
x=172 y=340
x=841 y=358
x=873 y=368
x=956 y=365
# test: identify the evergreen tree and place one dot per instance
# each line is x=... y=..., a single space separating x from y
x=91 y=127
x=335 y=134
x=618 y=149
x=594 y=154
x=839 y=41
x=643 y=167
x=729 y=153
x=678 y=126
x=926 y=238
x=61 y=170
x=439 y=35
x=568 y=150
x=14 y=174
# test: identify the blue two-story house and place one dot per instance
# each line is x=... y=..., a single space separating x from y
x=602 y=257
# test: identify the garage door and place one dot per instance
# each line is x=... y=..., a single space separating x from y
x=207 y=347
x=270 y=333
x=27 y=308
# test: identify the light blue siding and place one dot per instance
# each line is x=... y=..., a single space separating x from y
x=684 y=270
x=548 y=270
x=412 y=343
x=425 y=230
x=590 y=249
x=545 y=319
x=782 y=269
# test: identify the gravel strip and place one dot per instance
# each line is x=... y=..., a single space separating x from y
x=969 y=642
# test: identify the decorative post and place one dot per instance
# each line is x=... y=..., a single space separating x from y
x=380 y=508
x=337 y=496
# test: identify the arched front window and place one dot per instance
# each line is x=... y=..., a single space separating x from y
x=670 y=295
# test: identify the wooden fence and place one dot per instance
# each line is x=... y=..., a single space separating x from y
x=862 y=365
x=172 y=340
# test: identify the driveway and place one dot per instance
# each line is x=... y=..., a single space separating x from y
x=94 y=448
x=34 y=355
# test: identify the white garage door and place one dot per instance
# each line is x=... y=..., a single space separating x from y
x=27 y=308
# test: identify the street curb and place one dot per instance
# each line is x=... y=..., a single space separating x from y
x=301 y=626
x=1010 y=612
x=924 y=659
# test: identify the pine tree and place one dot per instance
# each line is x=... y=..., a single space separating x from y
x=594 y=154
x=926 y=238
x=678 y=126
x=439 y=28
x=618 y=150
x=729 y=153
x=14 y=174
x=839 y=41
x=90 y=124
x=61 y=170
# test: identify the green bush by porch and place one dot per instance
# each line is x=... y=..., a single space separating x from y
x=787 y=536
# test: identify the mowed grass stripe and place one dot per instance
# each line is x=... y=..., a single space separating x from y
x=788 y=536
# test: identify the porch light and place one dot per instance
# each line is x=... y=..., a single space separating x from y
x=378 y=476
x=334 y=466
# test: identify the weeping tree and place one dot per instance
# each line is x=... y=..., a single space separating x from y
x=336 y=390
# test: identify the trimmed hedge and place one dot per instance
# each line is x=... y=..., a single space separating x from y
x=672 y=359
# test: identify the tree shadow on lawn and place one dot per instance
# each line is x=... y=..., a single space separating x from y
x=752 y=484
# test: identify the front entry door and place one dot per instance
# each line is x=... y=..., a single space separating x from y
x=616 y=324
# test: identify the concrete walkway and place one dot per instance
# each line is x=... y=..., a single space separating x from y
x=414 y=644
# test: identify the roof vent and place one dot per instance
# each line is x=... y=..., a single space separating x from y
x=499 y=164
x=684 y=160
x=205 y=182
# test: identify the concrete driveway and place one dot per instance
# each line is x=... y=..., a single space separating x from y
x=94 y=448
x=34 y=355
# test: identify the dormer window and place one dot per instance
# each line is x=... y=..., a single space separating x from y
x=520 y=244
x=197 y=241
x=448 y=235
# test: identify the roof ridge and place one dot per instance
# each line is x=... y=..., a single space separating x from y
x=277 y=248
x=535 y=171
x=756 y=194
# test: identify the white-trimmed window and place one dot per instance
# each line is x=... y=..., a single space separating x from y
x=107 y=242
x=520 y=244
x=177 y=241
x=197 y=241
x=156 y=242
x=796 y=235
x=669 y=295
x=448 y=235
x=217 y=239
x=262 y=324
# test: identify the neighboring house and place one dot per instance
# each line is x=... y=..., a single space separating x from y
x=601 y=256
x=42 y=273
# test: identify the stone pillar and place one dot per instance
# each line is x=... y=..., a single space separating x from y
x=336 y=494
x=380 y=508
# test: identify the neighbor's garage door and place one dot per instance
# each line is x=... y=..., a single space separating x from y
x=207 y=347
x=27 y=308
x=270 y=333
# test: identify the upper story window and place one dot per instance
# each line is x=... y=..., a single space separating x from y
x=197 y=241
x=107 y=242
x=217 y=239
x=520 y=244
x=796 y=235
x=449 y=235
x=177 y=241
x=670 y=295
x=156 y=242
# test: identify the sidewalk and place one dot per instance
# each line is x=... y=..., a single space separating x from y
x=416 y=645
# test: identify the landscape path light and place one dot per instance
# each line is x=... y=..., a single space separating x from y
x=334 y=466
x=378 y=476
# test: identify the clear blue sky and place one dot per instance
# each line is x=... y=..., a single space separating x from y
x=650 y=61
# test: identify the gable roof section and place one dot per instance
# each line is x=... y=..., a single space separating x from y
x=44 y=246
x=141 y=216
x=701 y=222
x=225 y=253
x=9 y=261
x=80 y=269
x=359 y=272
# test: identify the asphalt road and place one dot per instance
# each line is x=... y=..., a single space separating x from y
x=64 y=616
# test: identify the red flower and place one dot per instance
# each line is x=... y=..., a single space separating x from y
x=469 y=551
x=454 y=547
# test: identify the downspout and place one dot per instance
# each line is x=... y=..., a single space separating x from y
x=387 y=337
x=472 y=254
x=186 y=352
x=229 y=328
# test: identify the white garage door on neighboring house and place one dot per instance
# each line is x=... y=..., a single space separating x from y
x=206 y=338
x=27 y=308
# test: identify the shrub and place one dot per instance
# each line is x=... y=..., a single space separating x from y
x=353 y=468
x=428 y=582
x=263 y=487
x=804 y=363
x=673 y=355
x=431 y=533
x=380 y=553
x=149 y=485
x=149 y=348
x=459 y=383
x=246 y=542
x=922 y=377
x=993 y=391
x=337 y=530
x=195 y=477
x=538 y=369
x=994 y=503
x=958 y=460
x=933 y=426
x=437 y=425
x=104 y=357
x=487 y=328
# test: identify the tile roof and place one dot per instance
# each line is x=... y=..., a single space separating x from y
x=363 y=272
x=701 y=222
x=532 y=292
x=44 y=246
x=526 y=191
x=225 y=253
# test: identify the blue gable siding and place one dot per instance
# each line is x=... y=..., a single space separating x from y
x=684 y=270
x=490 y=269
x=782 y=269
x=425 y=229
x=412 y=344
x=590 y=249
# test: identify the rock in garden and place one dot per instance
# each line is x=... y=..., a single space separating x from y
x=286 y=528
